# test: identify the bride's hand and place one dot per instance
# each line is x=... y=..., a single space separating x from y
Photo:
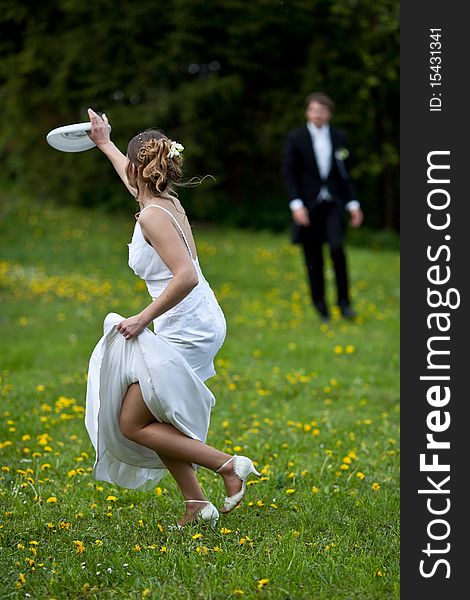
x=99 y=132
x=131 y=327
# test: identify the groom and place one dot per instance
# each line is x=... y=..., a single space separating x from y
x=320 y=191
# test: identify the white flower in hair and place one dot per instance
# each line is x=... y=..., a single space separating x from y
x=175 y=149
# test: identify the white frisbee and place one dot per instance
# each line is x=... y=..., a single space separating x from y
x=71 y=138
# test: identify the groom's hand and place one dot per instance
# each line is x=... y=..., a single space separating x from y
x=356 y=216
x=301 y=217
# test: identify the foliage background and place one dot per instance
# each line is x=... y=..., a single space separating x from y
x=227 y=78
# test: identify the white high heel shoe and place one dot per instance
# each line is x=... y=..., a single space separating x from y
x=242 y=467
x=209 y=514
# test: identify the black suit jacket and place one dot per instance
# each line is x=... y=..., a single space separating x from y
x=300 y=170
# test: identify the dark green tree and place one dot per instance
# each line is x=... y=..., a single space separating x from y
x=228 y=79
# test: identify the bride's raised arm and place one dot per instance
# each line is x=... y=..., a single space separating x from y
x=100 y=135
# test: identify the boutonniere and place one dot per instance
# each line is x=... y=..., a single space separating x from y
x=342 y=153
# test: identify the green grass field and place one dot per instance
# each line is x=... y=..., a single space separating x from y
x=317 y=407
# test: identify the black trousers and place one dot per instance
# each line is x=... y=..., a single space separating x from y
x=327 y=224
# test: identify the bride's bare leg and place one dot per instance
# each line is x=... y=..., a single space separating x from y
x=176 y=450
x=138 y=424
x=185 y=476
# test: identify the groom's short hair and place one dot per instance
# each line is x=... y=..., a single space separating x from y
x=321 y=98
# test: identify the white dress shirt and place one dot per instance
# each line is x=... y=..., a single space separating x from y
x=321 y=141
x=323 y=149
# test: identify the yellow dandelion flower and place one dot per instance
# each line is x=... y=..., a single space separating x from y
x=159 y=527
x=338 y=349
x=45 y=466
x=216 y=549
x=360 y=475
x=350 y=349
x=262 y=583
x=137 y=548
x=375 y=486
x=111 y=499
x=344 y=467
x=225 y=531
x=6 y=469
x=196 y=536
x=272 y=505
x=146 y=593
x=260 y=503
x=163 y=549
x=158 y=491
x=52 y=500
x=238 y=448
x=98 y=543
x=72 y=473
x=290 y=491
x=79 y=546
x=238 y=592
x=315 y=490
x=316 y=432
x=40 y=387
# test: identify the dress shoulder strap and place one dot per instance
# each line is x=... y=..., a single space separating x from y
x=180 y=229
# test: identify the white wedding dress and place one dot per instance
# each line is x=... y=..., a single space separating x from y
x=170 y=365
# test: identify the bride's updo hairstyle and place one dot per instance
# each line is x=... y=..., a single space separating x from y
x=158 y=166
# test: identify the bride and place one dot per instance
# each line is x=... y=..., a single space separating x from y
x=148 y=408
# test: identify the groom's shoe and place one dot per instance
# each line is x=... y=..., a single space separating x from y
x=322 y=311
x=347 y=312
